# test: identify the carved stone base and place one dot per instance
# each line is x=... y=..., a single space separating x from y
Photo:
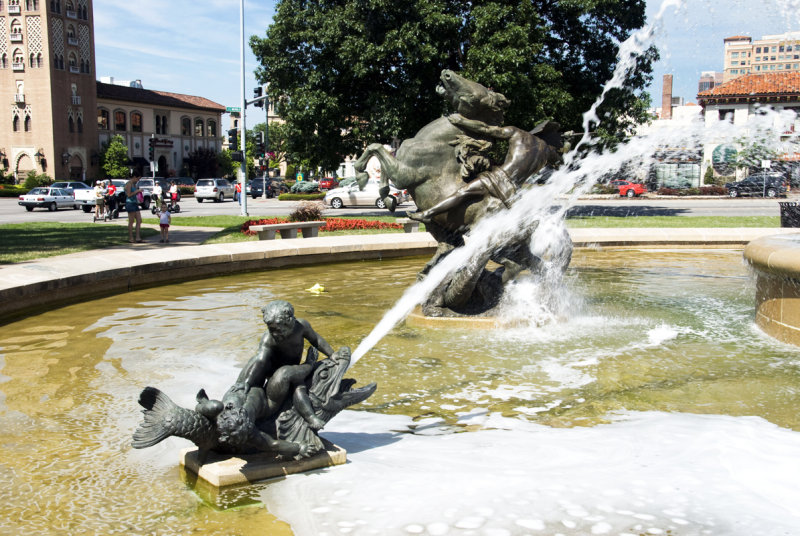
x=227 y=470
x=418 y=319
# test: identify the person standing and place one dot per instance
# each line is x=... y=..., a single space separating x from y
x=111 y=201
x=158 y=193
x=164 y=219
x=237 y=195
x=99 y=201
x=173 y=193
x=132 y=193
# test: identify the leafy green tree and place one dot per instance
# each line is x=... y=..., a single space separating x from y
x=34 y=180
x=114 y=158
x=345 y=73
x=203 y=162
x=225 y=163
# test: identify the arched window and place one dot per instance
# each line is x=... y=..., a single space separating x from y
x=186 y=126
x=102 y=119
x=212 y=128
x=136 y=122
x=55 y=6
x=39 y=59
x=85 y=13
x=164 y=129
x=158 y=124
x=80 y=125
x=199 y=128
x=120 y=121
x=73 y=63
x=15 y=123
x=27 y=123
x=70 y=31
x=32 y=60
x=18 y=57
x=71 y=123
x=4 y=61
x=16 y=26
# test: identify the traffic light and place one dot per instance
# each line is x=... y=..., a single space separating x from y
x=260 y=145
x=152 y=151
x=257 y=93
x=232 y=138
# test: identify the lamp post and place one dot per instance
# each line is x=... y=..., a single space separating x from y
x=243 y=129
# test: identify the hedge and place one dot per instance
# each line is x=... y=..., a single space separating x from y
x=300 y=197
x=331 y=224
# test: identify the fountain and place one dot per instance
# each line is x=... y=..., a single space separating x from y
x=633 y=396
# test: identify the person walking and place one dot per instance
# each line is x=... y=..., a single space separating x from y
x=164 y=219
x=132 y=193
x=99 y=201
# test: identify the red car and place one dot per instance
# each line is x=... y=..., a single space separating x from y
x=328 y=183
x=629 y=189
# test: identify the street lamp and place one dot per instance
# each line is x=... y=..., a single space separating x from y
x=65 y=157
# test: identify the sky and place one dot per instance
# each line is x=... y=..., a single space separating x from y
x=194 y=47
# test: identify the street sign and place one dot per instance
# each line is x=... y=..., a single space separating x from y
x=236 y=109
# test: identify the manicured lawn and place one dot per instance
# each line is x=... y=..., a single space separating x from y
x=666 y=222
x=21 y=242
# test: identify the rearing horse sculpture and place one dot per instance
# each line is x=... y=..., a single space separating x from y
x=434 y=165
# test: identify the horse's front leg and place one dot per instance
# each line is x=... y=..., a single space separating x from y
x=389 y=169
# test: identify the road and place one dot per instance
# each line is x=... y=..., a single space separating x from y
x=11 y=212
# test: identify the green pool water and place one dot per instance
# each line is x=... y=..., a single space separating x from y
x=666 y=330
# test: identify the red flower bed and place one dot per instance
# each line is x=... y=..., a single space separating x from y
x=331 y=224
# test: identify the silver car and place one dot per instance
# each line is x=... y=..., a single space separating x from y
x=215 y=189
x=351 y=196
x=49 y=198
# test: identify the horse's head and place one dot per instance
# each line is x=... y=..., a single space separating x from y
x=471 y=99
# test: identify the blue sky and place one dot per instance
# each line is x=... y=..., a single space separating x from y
x=193 y=47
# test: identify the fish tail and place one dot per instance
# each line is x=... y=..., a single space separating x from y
x=158 y=410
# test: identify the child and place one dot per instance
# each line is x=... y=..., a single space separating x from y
x=164 y=219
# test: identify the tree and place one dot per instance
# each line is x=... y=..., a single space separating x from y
x=203 y=162
x=114 y=158
x=351 y=72
x=225 y=163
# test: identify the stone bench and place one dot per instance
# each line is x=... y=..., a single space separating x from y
x=409 y=225
x=288 y=229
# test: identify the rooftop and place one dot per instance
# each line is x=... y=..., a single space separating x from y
x=756 y=84
x=156 y=98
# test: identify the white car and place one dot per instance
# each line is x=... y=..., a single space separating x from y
x=351 y=196
x=215 y=189
x=50 y=198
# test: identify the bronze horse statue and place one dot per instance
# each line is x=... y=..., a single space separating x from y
x=437 y=163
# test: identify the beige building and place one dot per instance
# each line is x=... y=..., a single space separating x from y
x=59 y=116
x=778 y=53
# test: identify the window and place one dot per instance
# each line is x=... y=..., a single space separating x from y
x=774 y=49
x=164 y=129
x=71 y=123
x=80 y=125
x=758 y=50
x=199 y=128
x=186 y=127
x=758 y=58
x=73 y=63
x=102 y=119
x=758 y=67
x=212 y=128
x=734 y=63
x=734 y=71
x=158 y=124
x=15 y=123
x=120 y=121
x=780 y=48
x=789 y=48
x=733 y=55
x=27 y=123
x=726 y=115
x=4 y=61
x=136 y=122
x=772 y=58
x=55 y=6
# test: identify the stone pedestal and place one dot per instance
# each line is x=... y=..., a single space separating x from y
x=227 y=470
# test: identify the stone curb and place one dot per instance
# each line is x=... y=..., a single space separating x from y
x=31 y=286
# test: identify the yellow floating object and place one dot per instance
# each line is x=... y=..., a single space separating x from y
x=316 y=289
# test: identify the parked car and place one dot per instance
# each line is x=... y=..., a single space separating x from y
x=763 y=183
x=48 y=197
x=71 y=185
x=628 y=188
x=350 y=195
x=182 y=181
x=215 y=189
x=255 y=188
x=328 y=183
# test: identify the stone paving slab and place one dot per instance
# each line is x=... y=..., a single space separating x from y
x=28 y=286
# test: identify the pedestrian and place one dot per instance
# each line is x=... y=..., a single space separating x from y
x=158 y=192
x=132 y=193
x=237 y=195
x=99 y=201
x=164 y=219
x=173 y=192
x=111 y=194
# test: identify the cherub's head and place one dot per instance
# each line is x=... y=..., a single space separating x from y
x=279 y=317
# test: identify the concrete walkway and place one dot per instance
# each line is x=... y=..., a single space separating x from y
x=30 y=286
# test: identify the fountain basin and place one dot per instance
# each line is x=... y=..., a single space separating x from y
x=776 y=262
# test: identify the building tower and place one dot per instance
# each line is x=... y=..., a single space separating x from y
x=47 y=77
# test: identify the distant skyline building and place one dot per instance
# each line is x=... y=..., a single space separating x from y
x=778 y=53
x=709 y=80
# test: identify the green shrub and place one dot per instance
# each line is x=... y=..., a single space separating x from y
x=708 y=178
x=305 y=187
x=12 y=191
x=34 y=180
x=186 y=190
x=300 y=197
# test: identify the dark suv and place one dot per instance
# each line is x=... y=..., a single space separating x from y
x=763 y=183
x=256 y=187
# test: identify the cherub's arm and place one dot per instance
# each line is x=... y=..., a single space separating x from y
x=255 y=371
x=479 y=127
x=315 y=339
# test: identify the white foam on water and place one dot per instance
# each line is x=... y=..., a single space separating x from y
x=646 y=473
